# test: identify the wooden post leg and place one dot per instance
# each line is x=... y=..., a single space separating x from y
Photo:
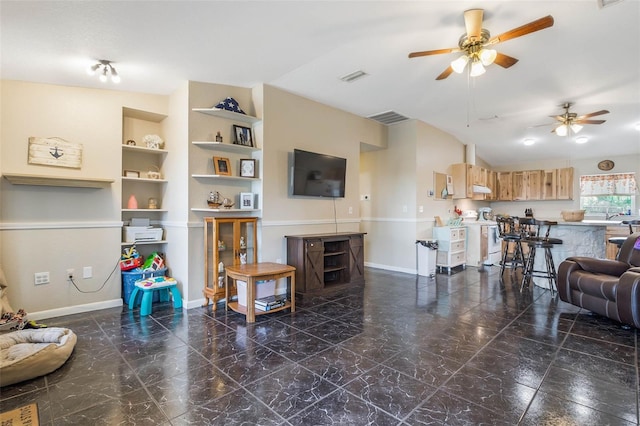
x=292 y=276
x=251 y=299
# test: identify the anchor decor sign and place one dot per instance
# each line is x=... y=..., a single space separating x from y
x=55 y=152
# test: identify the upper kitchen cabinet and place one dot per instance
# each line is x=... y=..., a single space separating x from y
x=549 y=185
x=469 y=181
x=492 y=184
x=526 y=185
x=505 y=186
x=564 y=183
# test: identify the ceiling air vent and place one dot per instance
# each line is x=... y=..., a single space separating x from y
x=605 y=3
x=388 y=117
x=356 y=75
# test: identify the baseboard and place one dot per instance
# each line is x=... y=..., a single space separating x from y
x=77 y=309
x=390 y=268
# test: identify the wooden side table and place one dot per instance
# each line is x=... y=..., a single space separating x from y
x=252 y=272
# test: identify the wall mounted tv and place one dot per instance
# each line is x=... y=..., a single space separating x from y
x=318 y=175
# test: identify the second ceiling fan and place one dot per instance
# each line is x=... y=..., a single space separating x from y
x=475 y=41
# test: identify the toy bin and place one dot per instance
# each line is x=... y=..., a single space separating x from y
x=129 y=279
x=263 y=289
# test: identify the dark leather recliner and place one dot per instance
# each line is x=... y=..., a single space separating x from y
x=607 y=287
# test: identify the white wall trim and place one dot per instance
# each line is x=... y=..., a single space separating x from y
x=391 y=268
x=398 y=219
x=57 y=225
x=269 y=223
x=77 y=309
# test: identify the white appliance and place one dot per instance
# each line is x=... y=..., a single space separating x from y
x=484 y=246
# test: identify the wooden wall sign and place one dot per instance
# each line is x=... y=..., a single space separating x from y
x=55 y=152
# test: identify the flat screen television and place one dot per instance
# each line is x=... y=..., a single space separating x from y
x=318 y=175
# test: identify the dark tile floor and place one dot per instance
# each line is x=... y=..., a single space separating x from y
x=400 y=350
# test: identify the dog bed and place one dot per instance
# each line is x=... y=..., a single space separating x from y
x=30 y=353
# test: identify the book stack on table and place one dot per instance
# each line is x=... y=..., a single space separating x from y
x=271 y=302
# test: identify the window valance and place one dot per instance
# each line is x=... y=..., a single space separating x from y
x=609 y=184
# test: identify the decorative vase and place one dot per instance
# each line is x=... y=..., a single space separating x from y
x=133 y=203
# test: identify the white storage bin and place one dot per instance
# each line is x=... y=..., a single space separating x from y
x=132 y=234
x=263 y=289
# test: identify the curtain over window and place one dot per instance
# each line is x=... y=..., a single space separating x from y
x=609 y=184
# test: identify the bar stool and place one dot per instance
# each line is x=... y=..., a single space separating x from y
x=541 y=240
x=618 y=241
x=512 y=255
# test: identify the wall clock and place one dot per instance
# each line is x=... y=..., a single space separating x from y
x=606 y=165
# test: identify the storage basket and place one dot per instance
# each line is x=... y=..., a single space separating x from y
x=129 y=279
x=573 y=215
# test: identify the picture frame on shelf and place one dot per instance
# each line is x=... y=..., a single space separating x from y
x=242 y=136
x=131 y=173
x=222 y=166
x=247 y=167
x=246 y=200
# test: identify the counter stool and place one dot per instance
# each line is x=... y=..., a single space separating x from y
x=147 y=286
x=512 y=256
x=618 y=241
x=541 y=240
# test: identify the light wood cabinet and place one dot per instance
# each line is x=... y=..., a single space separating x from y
x=492 y=184
x=526 y=185
x=534 y=184
x=226 y=240
x=564 y=188
x=464 y=177
x=322 y=260
x=549 y=185
x=505 y=186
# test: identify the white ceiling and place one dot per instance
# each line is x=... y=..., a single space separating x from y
x=589 y=57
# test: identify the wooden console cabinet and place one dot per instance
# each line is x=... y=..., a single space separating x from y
x=326 y=259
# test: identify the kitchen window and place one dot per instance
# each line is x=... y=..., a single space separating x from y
x=608 y=194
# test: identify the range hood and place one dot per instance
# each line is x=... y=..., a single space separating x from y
x=479 y=189
x=470 y=153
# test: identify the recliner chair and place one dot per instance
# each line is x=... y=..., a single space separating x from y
x=607 y=287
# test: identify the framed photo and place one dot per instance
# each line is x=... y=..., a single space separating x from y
x=242 y=135
x=247 y=167
x=131 y=173
x=246 y=200
x=222 y=166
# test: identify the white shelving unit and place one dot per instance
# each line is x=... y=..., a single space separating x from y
x=229 y=186
x=452 y=246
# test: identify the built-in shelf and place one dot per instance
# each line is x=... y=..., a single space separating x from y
x=144 y=180
x=144 y=243
x=143 y=149
x=196 y=209
x=223 y=177
x=230 y=115
x=144 y=210
x=229 y=147
x=43 y=180
x=139 y=114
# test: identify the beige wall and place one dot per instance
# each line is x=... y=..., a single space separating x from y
x=52 y=229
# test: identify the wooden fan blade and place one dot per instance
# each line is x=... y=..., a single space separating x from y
x=504 y=61
x=446 y=73
x=473 y=22
x=433 y=52
x=557 y=117
x=593 y=114
x=537 y=25
x=578 y=121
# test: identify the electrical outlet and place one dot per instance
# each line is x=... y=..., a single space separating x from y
x=40 y=278
x=405 y=209
x=421 y=209
x=70 y=273
x=87 y=272
x=365 y=197
x=350 y=210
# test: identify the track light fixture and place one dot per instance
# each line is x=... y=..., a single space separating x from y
x=105 y=69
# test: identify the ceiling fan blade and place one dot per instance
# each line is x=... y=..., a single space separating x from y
x=593 y=114
x=446 y=73
x=473 y=22
x=537 y=25
x=558 y=117
x=578 y=121
x=504 y=61
x=433 y=52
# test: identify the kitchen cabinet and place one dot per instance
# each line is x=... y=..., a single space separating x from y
x=526 y=185
x=564 y=183
x=549 y=185
x=226 y=241
x=492 y=184
x=505 y=186
x=464 y=177
x=326 y=259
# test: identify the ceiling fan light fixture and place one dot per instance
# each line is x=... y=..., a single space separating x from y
x=575 y=128
x=582 y=139
x=459 y=64
x=476 y=69
x=528 y=141
x=487 y=56
x=562 y=130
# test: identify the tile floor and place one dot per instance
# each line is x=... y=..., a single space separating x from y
x=462 y=349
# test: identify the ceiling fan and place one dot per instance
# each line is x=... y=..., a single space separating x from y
x=474 y=42
x=571 y=122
